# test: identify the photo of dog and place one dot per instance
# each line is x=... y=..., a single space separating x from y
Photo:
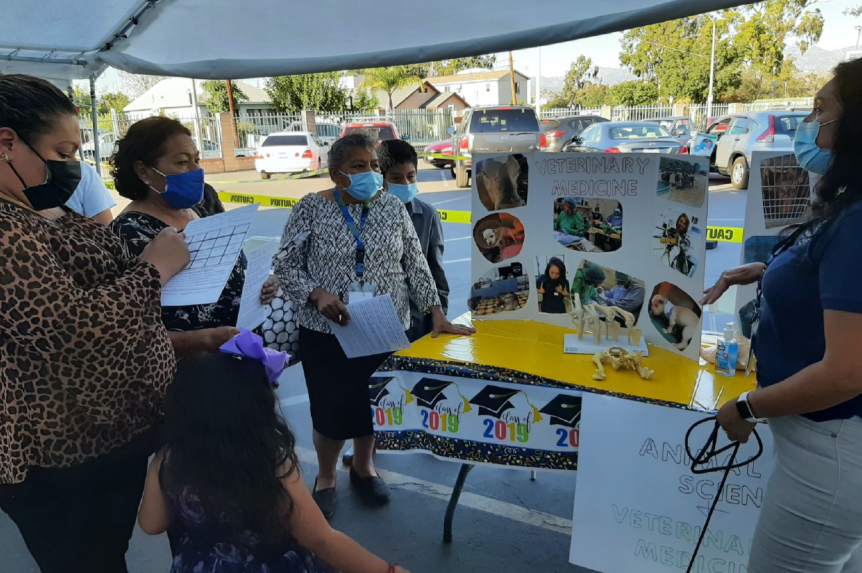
x=499 y=237
x=674 y=314
x=501 y=182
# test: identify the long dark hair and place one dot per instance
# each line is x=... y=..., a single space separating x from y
x=556 y=262
x=226 y=443
x=31 y=106
x=843 y=172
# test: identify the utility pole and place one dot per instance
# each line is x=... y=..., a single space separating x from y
x=232 y=112
x=709 y=98
x=512 y=75
x=200 y=141
x=858 y=33
x=539 y=87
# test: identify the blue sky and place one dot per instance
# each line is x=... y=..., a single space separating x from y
x=839 y=32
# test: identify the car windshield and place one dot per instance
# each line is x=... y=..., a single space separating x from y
x=549 y=124
x=285 y=140
x=377 y=133
x=504 y=121
x=786 y=124
x=638 y=132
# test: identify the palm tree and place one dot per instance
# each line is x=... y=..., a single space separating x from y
x=389 y=80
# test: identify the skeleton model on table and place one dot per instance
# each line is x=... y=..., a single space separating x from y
x=620 y=358
x=589 y=317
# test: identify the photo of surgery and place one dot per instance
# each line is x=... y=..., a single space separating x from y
x=588 y=225
x=595 y=284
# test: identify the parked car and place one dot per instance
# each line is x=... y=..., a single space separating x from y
x=626 y=137
x=107 y=143
x=558 y=131
x=715 y=126
x=376 y=130
x=327 y=133
x=754 y=131
x=679 y=126
x=289 y=152
x=442 y=147
x=493 y=129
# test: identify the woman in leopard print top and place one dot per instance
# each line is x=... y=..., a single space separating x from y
x=84 y=356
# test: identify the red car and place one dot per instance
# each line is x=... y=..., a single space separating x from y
x=377 y=130
x=442 y=147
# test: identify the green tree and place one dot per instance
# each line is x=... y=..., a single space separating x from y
x=114 y=100
x=319 y=92
x=388 y=80
x=634 y=92
x=595 y=95
x=365 y=101
x=581 y=74
x=854 y=12
x=215 y=96
x=451 y=67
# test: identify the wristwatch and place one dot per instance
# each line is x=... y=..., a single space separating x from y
x=743 y=406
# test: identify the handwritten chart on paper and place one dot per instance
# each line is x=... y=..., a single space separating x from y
x=638 y=507
x=214 y=245
x=252 y=312
x=374 y=328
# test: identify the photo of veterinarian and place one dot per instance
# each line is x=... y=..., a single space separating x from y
x=501 y=182
x=499 y=237
x=502 y=289
x=552 y=285
x=809 y=368
x=677 y=240
x=674 y=314
x=588 y=225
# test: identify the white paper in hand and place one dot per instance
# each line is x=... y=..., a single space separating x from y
x=374 y=328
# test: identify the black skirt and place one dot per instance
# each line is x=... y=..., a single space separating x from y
x=337 y=386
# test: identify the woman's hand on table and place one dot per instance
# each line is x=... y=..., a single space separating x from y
x=740 y=276
x=167 y=252
x=442 y=325
x=329 y=306
x=269 y=290
x=215 y=337
x=737 y=429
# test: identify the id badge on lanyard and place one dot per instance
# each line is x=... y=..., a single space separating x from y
x=360 y=289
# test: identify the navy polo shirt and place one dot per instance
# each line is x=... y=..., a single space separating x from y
x=801 y=283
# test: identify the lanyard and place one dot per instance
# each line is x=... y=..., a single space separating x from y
x=354 y=230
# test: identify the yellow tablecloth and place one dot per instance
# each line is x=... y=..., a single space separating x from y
x=536 y=348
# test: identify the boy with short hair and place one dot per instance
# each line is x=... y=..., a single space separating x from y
x=399 y=164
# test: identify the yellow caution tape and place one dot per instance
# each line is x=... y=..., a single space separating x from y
x=443 y=156
x=724 y=234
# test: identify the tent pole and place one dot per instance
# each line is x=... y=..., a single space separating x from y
x=95 y=114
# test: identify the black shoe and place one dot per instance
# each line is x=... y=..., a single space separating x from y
x=347 y=458
x=372 y=489
x=325 y=499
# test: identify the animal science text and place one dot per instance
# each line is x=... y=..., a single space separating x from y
x=616 y=187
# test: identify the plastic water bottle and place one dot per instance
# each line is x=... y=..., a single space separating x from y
x=727 y=353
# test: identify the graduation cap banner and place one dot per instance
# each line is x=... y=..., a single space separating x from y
x=380 y=387
x=494 y=401
x=429 y=392
x=564 y=410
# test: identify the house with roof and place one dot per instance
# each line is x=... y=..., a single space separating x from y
x=173 y=97
x=484 y=87
x=414 y=96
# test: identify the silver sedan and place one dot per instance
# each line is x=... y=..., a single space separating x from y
x=625 y=137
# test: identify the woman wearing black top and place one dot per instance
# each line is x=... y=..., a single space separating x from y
x=554 y=287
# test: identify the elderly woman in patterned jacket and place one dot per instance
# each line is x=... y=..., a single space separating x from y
x=351 y=240
x=84 y=357
x=157 y=166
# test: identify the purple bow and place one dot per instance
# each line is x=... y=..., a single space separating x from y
x=250 y=345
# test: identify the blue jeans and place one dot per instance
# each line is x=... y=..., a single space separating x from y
x=811 y=521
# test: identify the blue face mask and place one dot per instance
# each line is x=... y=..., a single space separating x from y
x=808 y=154
x=365 y=185
x=404 y=192
x=183 y=190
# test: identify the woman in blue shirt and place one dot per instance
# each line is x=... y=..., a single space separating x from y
x=808 y=351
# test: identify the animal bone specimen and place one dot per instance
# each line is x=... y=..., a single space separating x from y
x=620 y=358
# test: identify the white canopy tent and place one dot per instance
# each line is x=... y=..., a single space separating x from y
x=64 y=40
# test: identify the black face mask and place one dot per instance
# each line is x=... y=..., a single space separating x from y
x=60 y=183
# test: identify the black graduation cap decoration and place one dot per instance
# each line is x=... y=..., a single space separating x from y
x=564 y=410
x=429 y=391
x=494 y=401
x=377 y=388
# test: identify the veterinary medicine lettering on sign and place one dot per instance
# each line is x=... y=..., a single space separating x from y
x=476 y=420
x=605 y=243
x=638 y=506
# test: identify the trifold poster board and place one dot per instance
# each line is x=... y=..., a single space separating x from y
x=780 y=193
x=547 y=225
x=638 y=506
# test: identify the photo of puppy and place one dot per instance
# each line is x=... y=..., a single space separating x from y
x=501 y=182
x=674 y=314
x=499 y=237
